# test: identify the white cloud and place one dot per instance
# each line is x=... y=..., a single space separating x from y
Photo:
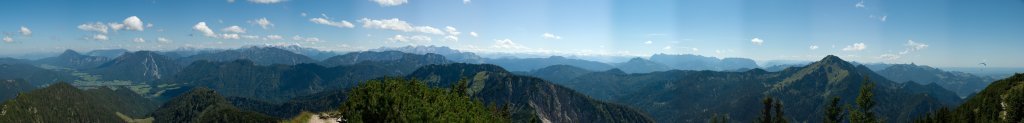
x=451 y=38
x=233 y=29
x=466 y=1
x=667 y=48
x=230 y=36
x=95 y=27
x=473 y=34
x=398 y=25
x=25 y=31
x=429 y=30
x=303 y=14
x=306 y=39
x=453 y=34
x=263 y=22
x=814 y=47
x=387 y=3
x=324 y=21
x=507 y=44
x=550 y=36
x=913 y=46
x=139 y=40
x=916 y=46
x=163 y=40
x=855 y=47
x=133 y=23
x=392 y=24
x=452 y=31
x=266 y=1
x=859 y=4
x=202 y=28
x=757 y=41
x=8 y=39
x=100 y=37
x=420 y=38
x=130 y=23
x=694 y=49
x=116 y=26
x=274 y=37
x=231 y=1
x=648 y=42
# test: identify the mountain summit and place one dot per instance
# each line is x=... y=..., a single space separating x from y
x=832 y=59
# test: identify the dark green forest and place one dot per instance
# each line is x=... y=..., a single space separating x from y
x=400 y=100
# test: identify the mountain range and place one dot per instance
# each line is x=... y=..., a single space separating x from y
x=269 y=83
x=963 y=84
x=693 y=96
x=451 y=54
x=697 y=62
x=259 y=55
x=75 y=60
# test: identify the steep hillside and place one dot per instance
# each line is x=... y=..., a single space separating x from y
x=1000 y=102
x=9 y=88
x=62 y=102
x=203 y=105
x=33 y=75
x=527 y=95
x=278 y=83
x=558 y=72
x=834 y=77
x=319 y=102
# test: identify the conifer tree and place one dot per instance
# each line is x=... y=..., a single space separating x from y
x=833 y=114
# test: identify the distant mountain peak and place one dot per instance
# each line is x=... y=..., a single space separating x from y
x=637 y=59
x=832 y=59
x=70 y=52
x=616 y=71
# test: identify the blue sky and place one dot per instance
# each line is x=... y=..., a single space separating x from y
x=931 y=32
